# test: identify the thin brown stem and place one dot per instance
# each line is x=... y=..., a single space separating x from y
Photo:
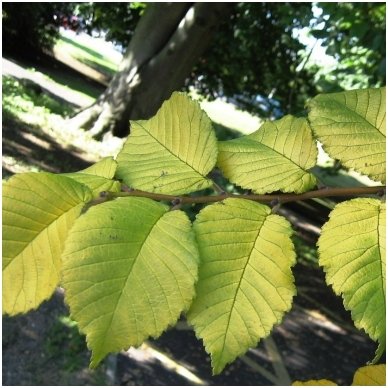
x=280 y=198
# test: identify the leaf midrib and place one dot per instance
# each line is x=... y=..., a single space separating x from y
x=127 y=278
x=19 y=254
x=271 y=149
x=239 y=284
x=381 y=267
x=170 y=151
x=343 y=105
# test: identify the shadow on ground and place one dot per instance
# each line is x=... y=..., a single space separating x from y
x=45 y=348
x=28 y=144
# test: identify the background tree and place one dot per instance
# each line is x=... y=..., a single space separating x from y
x=354 y=34
x=167 y=42
x=39 y=22
x=253 y=55
x=247 y=53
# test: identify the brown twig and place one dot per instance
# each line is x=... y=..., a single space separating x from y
x=267 y=198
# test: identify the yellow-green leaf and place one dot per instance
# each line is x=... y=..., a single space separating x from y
x=314 y=383
x=129 y=271
x=172 y=152
x=370 y=375
x=38 y=211
x=352 y=253
x=245 y=281
x=98 y=177
x=276 y=157
x=105 y=168
x=351 y=127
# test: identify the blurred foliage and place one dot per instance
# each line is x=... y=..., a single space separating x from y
x=254 y=54
x=65 y=343
x=354 y=34
x=255 y=61
x=305 y=252
x=31 y=27
x=115 y=21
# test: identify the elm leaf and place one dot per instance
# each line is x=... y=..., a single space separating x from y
x=129 y=271
x=352 y=254
x=245 y=281
x=38 y=211
x=351 y=126
x=275 y=157
x=172 y=152
x=98 y=177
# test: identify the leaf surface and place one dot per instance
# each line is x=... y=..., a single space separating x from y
x=370 y=375
x=106 y=168
x=172 y=152
x=245 y=281
x=98 y=177
x=276 y=157
x=38 y=211
x=314 y=383
x=352 y=253
x=129 y=272
x=351 y=127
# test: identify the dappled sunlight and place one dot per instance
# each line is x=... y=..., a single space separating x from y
x=37 y=139
x=49 y=86
x=244 y=290
x=229 y=116
x=149 y=355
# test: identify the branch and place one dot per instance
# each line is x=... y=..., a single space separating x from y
x=268 y=198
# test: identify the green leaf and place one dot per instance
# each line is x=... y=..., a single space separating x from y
x=370 y=375
x=105 y=168
x=172 y=152
x=129 y=271
x=352 y=253
x=245 y=281
x=98 y=177
x=276 y=157
x=38 y=211
x=351 y=127
x=314 y=383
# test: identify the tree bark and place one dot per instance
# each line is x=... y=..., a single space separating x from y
x=168 y=40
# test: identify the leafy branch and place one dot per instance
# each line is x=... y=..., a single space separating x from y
x=152 y=264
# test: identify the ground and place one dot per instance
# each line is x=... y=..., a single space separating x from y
x=317 y=338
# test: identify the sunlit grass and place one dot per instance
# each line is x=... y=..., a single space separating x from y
x=92 y=57
x=81 y=91
x=24 y=104
x=26 y=101
x=229 y=116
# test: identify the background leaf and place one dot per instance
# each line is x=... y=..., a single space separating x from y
x=98 y=177
x=352 y=253
x=129 y=272
x=276 y=157
x=370 y=375
x=105 y=168
x=38 y=211
x=245 y=282
x=351 y=127
x=314 y=383
x=172 y=152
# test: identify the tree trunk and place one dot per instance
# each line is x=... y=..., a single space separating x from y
x=168 y=40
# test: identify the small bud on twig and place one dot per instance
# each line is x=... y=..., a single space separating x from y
x=176 y=203
x=126 y=188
